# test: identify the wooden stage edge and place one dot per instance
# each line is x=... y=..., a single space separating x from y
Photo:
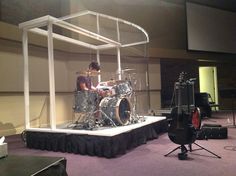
x=108 y=142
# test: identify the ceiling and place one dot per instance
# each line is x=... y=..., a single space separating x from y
x=164 y=20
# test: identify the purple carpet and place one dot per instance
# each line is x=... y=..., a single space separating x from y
x=149 y=160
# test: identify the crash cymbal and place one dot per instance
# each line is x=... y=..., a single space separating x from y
x=128 y=70
x=119 y=81
x=88 y=73
x=112 y=82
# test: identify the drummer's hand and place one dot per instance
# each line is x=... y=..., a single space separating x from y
x=99 y=91
x=104 y=93
x=94 y=89
x=108 y=93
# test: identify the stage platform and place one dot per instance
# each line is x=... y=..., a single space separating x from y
x=104 y=142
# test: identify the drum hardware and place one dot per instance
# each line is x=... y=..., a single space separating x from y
x=115 y=107
x=107 y=118
x=135 y=118
x=91 y=122
x=127 y=112
x=87 y=122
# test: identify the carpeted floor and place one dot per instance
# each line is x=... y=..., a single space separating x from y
x=149 y=160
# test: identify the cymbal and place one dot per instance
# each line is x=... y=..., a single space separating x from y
x=111 y=82
x=119 y=81
x=88 y=73
x=128 y=70
x=115 y=82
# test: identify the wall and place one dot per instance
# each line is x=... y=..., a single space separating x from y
x=169 y=35
x=66 y=66
x=170 y=69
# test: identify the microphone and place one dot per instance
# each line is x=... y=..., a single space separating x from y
x=127 y=112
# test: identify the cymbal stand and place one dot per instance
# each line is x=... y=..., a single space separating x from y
x=134 y=116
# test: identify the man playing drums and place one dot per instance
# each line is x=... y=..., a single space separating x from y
x=84 y=81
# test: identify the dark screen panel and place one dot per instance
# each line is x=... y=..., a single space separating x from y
x=210 y=29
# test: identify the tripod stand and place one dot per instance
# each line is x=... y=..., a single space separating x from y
x=184 y=150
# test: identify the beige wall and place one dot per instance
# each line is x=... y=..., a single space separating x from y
x=66 y=66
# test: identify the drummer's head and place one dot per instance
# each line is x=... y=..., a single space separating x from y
x=94 y=66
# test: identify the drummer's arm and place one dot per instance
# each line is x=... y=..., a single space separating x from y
x=94 y=88
x=83 y=86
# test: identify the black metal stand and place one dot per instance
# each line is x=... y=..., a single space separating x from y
x=202 y=148
x=186 y=86
x=183 y=154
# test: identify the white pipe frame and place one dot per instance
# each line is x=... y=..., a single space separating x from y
x=26 y=78
x=51 y=77
x=98 y=52
x=107 y=43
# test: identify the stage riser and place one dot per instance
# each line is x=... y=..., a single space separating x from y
x=92 y=145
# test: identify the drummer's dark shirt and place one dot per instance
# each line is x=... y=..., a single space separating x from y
x=84 y=79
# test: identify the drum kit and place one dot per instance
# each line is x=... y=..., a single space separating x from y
x=117 y=107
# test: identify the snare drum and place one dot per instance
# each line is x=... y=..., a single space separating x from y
x=105 y=89
x=117 y=109
x=86 y=101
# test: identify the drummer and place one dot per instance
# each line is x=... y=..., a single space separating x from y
x=84 y=82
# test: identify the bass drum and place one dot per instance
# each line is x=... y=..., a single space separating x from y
x=117 y=109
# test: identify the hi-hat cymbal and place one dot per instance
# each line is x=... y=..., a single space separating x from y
x=88 y=73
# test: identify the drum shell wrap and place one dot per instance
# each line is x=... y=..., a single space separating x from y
x=86 y=101
x=123 y=88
